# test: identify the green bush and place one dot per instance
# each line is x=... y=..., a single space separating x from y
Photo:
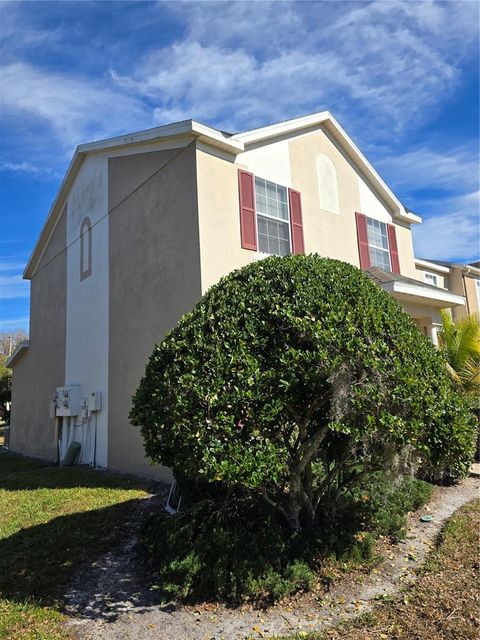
x=229 y=549
x=292 y=378
x=384 y=502
x=291 y=385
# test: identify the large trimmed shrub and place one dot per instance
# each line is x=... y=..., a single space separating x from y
x=292 y=379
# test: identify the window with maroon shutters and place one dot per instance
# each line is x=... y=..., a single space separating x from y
x=377 y=244
x=270 y=216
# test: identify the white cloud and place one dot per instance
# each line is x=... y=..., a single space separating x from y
x=27 y=167
x=380 y=66
x=453 y=232
x=14 y=324
x=12 y=285
x=74 y=108
x=455 y=169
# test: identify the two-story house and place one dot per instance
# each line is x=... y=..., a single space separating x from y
x=144 y=224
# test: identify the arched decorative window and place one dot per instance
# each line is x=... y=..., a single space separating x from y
x=85 y=248
x=327 y=184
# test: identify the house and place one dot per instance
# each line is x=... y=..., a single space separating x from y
x=460 y=279
x=144 y=224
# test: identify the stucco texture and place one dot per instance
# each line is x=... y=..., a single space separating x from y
x=154 y=264
x=41 y=369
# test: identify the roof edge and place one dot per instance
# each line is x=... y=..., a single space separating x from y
x=19 y=350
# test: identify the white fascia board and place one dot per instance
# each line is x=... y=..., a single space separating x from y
x=278 y=129
x=21 y=347
x=432 y=266
x=439 y=298
x=183 y=128
x=326 y=118
x=178 y=129
x=52 y=219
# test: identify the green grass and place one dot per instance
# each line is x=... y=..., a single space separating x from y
x=52 y=520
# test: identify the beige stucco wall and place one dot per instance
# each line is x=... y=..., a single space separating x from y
x=471 y=294
x=41 y=369
x=441 y=278
x=218 y=218
x=329 y=234
x=154 y=275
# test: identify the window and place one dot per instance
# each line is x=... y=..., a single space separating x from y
x=430 y=278
x=378 y=244
x=477 y=284
x=85 y=248
x=273 y=219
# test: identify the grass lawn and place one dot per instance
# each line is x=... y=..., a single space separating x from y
x=443 y=604
x=52 y=520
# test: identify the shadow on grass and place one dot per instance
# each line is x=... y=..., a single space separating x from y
x=43 y=562
x=40 y=564
x=22 y=473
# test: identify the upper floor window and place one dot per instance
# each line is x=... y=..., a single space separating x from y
x=85 y=248
x=273 y=217
x=430 y=278
x=378 y=247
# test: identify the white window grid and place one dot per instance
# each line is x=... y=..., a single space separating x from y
x=273 y=217
x=378 y=246
x=430 y=278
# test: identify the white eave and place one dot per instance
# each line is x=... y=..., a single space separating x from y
x=326 y=119
x=234 y=144
x=20 y=350
x=435 y=297
x=431 y=266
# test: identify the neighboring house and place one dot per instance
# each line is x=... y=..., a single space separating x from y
x=145 y=223
x=460 y=279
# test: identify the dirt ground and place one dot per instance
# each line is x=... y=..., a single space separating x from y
x=111 y=600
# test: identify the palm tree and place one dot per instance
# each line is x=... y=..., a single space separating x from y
x=460 y=343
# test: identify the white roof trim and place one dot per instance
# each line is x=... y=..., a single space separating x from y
x=438 y=298
x=21 y=347
x=326 y=118
x=432 y=266
x=232 y=144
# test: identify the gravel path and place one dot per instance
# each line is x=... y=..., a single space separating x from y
x=119 y=606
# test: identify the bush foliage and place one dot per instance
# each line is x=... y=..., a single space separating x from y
x=292 y=378
x=291 y=385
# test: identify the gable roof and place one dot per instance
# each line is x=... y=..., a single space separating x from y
x=233 y=143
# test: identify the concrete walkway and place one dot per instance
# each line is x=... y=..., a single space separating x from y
x=117 y=607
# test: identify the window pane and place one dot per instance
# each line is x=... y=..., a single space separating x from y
x=380 y=258
x=259 y=187
x=273 y=236
x=282 y=193
x=271 y=190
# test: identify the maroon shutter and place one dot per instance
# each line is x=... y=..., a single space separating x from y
x=248 y=222
x=392 y=243
x=295 y=200
x=362 y=240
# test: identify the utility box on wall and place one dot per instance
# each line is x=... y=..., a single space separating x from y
x=68 y=401
x=94 y=401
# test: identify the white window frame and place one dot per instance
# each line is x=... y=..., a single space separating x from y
x=477 y=287
x=427 y=275
x=371 y=246
x=260 y=253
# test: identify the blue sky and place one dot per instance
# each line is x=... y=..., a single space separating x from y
x=401 y=77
